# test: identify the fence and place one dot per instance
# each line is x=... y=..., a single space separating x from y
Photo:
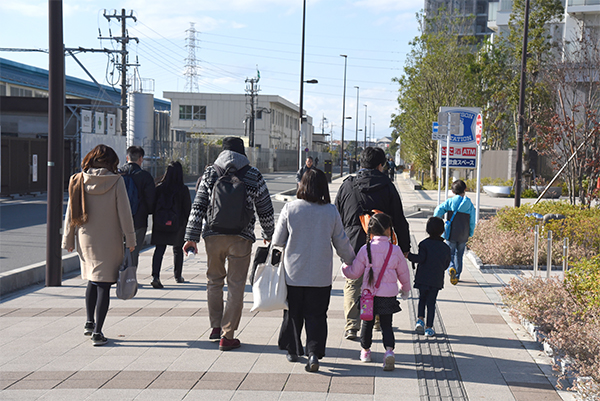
x=195 y=154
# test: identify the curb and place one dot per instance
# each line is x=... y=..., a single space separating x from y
x=35 y=273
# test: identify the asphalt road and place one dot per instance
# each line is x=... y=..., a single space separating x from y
x=23 y=223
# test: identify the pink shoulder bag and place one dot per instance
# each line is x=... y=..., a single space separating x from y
x=367 y=298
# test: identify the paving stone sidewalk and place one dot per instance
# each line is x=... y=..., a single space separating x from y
x=159 y=347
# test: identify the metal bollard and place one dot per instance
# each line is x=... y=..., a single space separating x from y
x=549 y=258
x=536 y=235
x=565 y=255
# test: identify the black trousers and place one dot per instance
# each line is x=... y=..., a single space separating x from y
x=307 y=306
x=387 y=331
x=427 y=299
x=157 y=258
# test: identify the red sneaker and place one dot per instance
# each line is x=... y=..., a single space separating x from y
x=215 y=334
x=226 y=344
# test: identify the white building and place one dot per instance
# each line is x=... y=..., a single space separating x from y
x=220 y=115
x=580 y=16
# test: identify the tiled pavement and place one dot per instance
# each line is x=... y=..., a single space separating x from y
x=159 y=347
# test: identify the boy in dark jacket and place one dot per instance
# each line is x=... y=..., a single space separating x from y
x=433 y=260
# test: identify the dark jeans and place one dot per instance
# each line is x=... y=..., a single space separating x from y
x=307 y=306
x=97 y=301
x=157 y=258
x=366 y=332
x=427 y=298
x=457 y=250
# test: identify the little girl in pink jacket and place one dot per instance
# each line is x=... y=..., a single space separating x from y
x=368 y=264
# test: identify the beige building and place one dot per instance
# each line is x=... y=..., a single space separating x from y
x=219 y=115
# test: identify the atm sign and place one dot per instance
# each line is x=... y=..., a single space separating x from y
x=460 y=151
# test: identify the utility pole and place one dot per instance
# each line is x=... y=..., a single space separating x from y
x=252 y=90
x=124 y=40
x=519 y=166
x=343 y=116
x=56 y=111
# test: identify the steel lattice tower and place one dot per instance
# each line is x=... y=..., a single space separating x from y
x=191 y=66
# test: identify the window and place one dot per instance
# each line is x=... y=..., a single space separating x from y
x=192 y=112
x=20 y=92
x=200 y=113
x=2 y=90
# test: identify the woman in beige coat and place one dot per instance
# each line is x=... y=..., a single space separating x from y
x=98 y=217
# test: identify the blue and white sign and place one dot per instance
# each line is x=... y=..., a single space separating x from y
x=435 y=126
x=463 y=147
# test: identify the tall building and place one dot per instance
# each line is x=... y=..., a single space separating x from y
x=473 y=13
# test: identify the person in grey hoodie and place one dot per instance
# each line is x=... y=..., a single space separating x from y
x=307 y=227
x=232 y=248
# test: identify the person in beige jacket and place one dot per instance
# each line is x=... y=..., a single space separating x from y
x=98 y=216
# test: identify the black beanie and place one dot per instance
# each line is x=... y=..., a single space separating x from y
x=234 y=143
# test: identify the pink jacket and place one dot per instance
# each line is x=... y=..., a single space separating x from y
x=396 y=270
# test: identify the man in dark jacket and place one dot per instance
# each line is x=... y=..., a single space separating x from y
x=307 y=166
x=145 y=188
x=235 y=249
x=370 y=189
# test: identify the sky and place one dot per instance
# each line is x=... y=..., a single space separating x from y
x=234 y=39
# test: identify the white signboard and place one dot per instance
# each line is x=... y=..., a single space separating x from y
x=34 y=168
x=463 y=148
x=99 y=124
x=111 y=128
x=86 y=121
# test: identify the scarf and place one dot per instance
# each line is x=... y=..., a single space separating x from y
x=76 y=194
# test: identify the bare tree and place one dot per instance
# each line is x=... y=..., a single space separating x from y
x=573 y=126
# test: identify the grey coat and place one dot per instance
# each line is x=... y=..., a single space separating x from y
x=307 y=230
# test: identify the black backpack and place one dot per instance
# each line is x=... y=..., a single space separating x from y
x=132 y=192
x=227 y=212
x=166 y=213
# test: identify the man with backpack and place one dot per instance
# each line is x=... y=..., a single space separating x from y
x=223 y=214
x=371 y=189
x=140 y=189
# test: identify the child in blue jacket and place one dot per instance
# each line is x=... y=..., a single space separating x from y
x=463 y=226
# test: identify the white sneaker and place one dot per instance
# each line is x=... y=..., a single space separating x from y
x=420 y=326
x=389 y=361
x=365 y=355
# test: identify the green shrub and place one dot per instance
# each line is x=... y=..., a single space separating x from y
x=583 y=281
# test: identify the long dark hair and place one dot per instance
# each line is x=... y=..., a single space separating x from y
x=378 y=224
x=172 y=179
x=101 y=156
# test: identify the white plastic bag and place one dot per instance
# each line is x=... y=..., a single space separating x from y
x=269 y=289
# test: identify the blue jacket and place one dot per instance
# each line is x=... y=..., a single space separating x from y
x=451 y=204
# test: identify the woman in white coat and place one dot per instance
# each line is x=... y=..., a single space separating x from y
x=98 y=216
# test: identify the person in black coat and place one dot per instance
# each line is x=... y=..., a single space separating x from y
x=144 y=183
x=172 y=209
x=370 y=189
x=433 y=259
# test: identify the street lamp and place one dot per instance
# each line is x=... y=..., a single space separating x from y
x=365 y=142
x=310 y=81
x=343 y=116
x=370 y=128
x=356 y=133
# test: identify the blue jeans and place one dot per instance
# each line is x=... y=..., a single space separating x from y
x=457 y=250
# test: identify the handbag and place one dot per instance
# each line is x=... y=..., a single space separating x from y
x=367 y=299
x=127 y=285
x=269 y=290
x=448 y=223
x=260 y=256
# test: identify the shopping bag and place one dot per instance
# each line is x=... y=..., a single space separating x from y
x=127 y=285
x=269 y=289
x=366 y=305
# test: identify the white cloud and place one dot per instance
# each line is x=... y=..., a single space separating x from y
x=385 y=6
